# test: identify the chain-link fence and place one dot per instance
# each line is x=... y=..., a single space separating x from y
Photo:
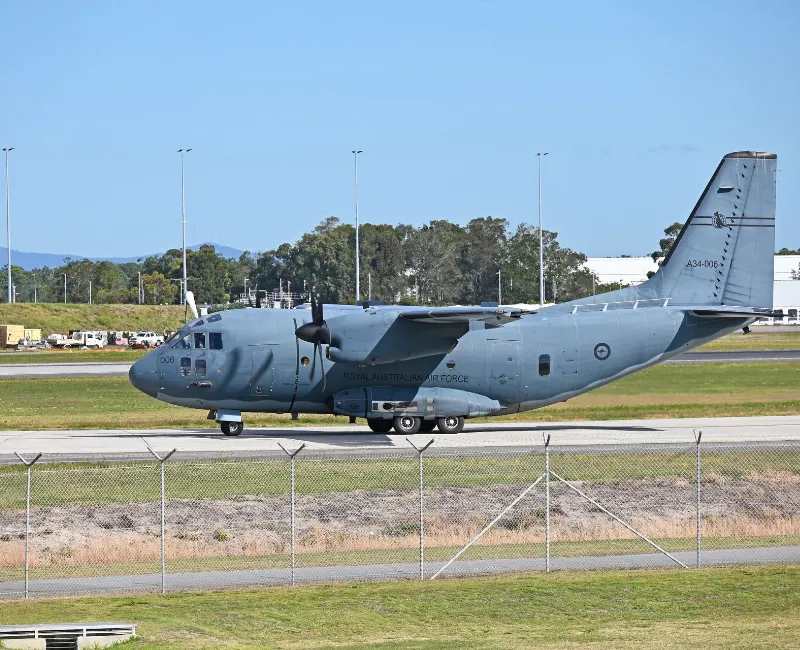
x=419 y=513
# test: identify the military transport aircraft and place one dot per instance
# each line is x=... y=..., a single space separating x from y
x=416 y=368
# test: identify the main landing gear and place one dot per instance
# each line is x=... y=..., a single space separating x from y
x=232 y=428
x=408 y=424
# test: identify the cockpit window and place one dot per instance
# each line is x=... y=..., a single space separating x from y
x=198 y=323
x=183 y=343
x=199 y=340
x=215 y=340
x=214 y=318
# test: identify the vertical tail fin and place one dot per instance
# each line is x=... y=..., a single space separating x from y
x=724 y=255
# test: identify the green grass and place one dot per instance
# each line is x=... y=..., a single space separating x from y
x=106 y=355
x=60 y=318
x=395 y=556
x=788 y=339
x=719 y=608
x=705 y=390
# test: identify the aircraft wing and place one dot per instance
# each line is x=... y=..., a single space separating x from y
x=489 y=315
x=732 y=311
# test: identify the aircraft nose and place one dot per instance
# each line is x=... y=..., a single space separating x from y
x=144 y=375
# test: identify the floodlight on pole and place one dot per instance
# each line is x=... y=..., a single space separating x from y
x=6 y=151
x=355 y=153
x=541 y=234
x=183 y=223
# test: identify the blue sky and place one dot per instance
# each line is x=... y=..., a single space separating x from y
x=450 y=101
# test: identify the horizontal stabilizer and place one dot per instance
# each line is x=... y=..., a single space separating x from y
x=492 y=315
x=734 y=312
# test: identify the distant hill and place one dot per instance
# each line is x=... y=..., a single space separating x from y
x=29 y=261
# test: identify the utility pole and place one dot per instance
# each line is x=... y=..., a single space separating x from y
x=65 y=288
x=90 y=292
x=6 y=151
x=369 y=279
x=34 y=288
x=355 y=153
x=183 y=223
x=541 y=235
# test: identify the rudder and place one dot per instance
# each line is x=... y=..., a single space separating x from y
x=724 y=254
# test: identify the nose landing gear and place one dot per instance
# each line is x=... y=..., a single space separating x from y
x=232 y=428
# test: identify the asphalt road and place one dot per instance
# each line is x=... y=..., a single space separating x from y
x=359 y=441
x=28 y=370
x=202 y=580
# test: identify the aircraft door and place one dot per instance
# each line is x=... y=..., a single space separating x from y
x=262 y=373
x=504 y=371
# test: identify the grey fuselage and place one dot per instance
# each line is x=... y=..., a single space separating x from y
x=543 y=358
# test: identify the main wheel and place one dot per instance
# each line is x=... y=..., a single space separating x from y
x=232 y=428
x=407 y=424
x=426 y=426
x=380 y=425
x=450 y=424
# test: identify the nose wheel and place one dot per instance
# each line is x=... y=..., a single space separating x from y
x=232 y=428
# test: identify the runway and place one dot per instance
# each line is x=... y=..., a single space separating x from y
x=110 y=369
x=30 y=370
x=359 y=441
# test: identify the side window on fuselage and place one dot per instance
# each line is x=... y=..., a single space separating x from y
x=544 y=365
x=186 y=367
x=199 y=340
x=200 y=368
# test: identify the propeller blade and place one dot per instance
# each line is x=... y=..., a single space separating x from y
x=190 y=303
x=322 y=366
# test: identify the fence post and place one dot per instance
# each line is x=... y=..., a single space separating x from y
x=547 y=502
x=421 y=509
x=697 y=436
x=28 y=466
x=162 y=460
x=291 y=497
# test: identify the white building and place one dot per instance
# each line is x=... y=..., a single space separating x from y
x=633 y=270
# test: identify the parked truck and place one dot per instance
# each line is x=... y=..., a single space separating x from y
x=80 y=339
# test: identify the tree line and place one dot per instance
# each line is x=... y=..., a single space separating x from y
x=437 y=263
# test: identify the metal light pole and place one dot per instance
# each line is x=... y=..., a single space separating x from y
x=246 y=295
x=8 y=225
x=34 y=289
x=499 y=288
x=355 y=153
x=541 y=235
x=183 y=222
x=65 y=288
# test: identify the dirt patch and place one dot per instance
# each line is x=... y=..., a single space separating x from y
x=388 y=519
